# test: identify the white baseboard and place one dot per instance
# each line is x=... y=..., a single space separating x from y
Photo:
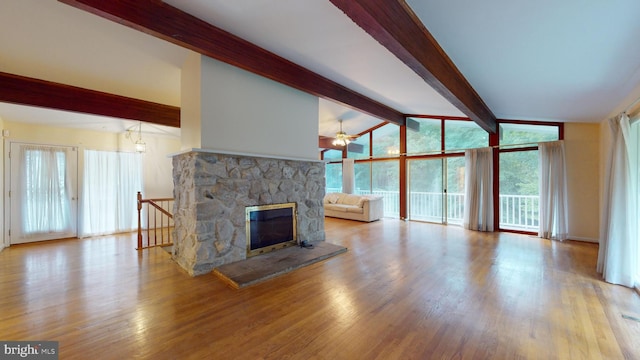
x=585 y=239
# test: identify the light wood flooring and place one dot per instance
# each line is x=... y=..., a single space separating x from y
x=403 y=290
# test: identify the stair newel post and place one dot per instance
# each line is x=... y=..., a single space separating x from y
x=139 y=221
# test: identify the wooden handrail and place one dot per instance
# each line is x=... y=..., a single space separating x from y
x=152 y=202
x=158 y=211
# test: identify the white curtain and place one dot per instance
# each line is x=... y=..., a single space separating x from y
x=111 y=183
x=618 y=252
x=348 y=176
x=44 y=190
x=478 y=199
x=553 y=191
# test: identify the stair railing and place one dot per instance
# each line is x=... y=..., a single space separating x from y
x=158 y=223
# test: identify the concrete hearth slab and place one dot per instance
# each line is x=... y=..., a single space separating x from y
x=259 y=268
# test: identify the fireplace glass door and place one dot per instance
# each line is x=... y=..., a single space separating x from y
x=270 y=227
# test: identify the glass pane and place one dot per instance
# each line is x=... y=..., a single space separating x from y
x=332 y=155
x=425 y=190
x=46 y=206
x=386 y=141
x=525 y=134
x=460 y=134
x=455 y=190
x=385 y=182
x=362 y=145
x=426 y=139
x=333 y=176
x=519 y=190
x=363 y=177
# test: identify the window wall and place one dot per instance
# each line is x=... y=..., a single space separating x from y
x=426 y=182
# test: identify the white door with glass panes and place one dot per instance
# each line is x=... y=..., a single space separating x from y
x=42 y=192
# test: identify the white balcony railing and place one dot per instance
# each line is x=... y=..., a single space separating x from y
x=517 y=212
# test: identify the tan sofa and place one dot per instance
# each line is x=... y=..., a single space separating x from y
x=353 y=207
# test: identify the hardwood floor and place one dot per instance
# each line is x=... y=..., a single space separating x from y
x=404 y=290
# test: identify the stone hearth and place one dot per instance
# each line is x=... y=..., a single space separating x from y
x=211 y=193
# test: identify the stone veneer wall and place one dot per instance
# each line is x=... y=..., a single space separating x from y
x=212 y=190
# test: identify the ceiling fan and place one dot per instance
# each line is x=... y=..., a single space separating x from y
x=341 y=138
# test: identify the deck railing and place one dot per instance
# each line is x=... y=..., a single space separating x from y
x=155 y=220
x=517 y=212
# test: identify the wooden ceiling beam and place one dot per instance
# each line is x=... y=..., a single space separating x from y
x=326 y=142
x=171 y=24
x=393 y=24
x=22 y=90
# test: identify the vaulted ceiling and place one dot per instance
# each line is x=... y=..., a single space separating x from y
x=571 y=61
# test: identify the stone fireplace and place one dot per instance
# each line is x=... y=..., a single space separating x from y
x=213 y=190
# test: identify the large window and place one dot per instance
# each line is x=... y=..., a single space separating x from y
x=386 y=141
x=332 y=155
x=424 y=136
x=363 y=177
x=359 y=148
x=385 y=182
x=519 y=179
x=333 y=177
x=460 y=135
x=511 y=134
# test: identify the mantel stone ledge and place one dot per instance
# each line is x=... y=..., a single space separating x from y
x=226 y=152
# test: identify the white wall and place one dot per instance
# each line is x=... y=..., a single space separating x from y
x=244 y=113
x=582 y=146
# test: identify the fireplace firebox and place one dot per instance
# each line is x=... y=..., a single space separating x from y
x=270 y=227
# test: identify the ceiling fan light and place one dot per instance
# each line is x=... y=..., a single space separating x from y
x=342 y=139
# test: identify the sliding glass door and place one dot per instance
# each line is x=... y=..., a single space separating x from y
x=436 y=190
x=426 y=190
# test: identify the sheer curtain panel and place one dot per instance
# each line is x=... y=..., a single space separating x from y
x=111 y=182
x=44 y=192
x=619 y=236
x=478 y=209
x=553 y=191
x=348 y=176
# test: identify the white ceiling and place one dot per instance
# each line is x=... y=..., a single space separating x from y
x=575 y=60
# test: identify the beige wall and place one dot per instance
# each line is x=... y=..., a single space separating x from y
x=582 y=146
x=158 y=178
x=157 y=172
x=191 y=107
x=2 y=245
x=158 y=166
